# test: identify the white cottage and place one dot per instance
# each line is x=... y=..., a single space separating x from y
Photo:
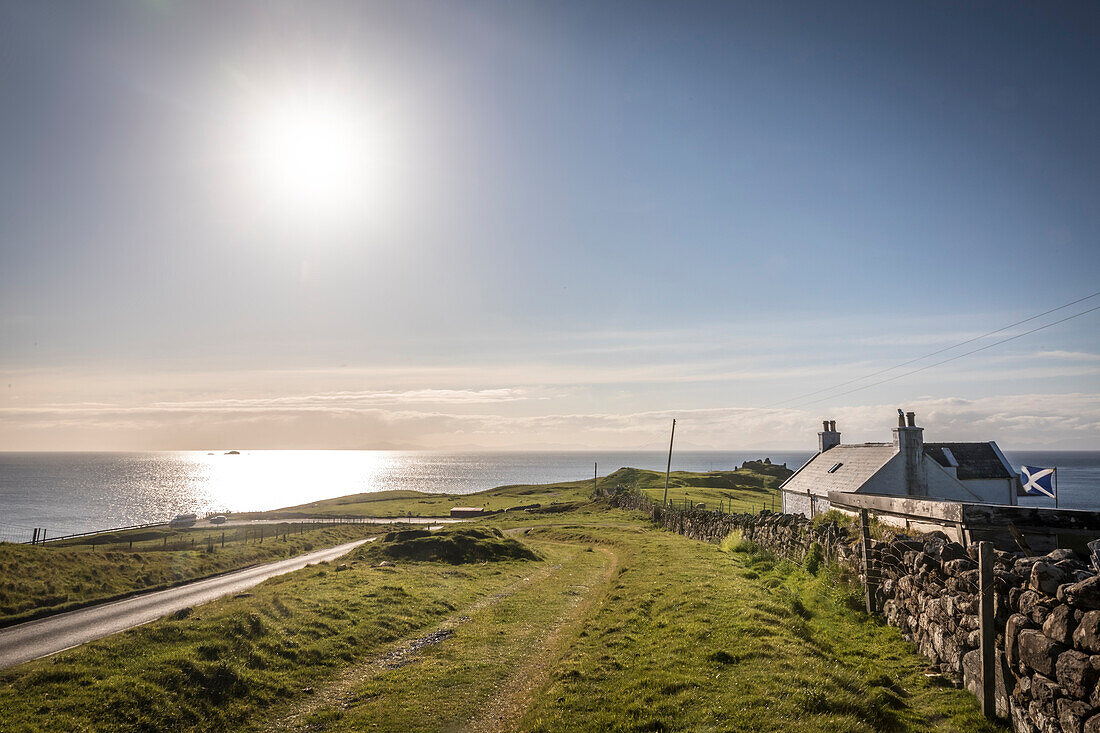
x=967 y=472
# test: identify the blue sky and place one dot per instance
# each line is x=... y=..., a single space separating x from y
x=559 y=224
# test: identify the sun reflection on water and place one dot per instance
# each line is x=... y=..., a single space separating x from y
x=269 y=479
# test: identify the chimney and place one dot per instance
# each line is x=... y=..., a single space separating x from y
x=909 y=441
x=828 y=437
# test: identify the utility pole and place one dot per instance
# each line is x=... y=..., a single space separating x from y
x=668 y=469
x=595 y=468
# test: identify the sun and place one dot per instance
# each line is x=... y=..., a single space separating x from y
x=316 y=155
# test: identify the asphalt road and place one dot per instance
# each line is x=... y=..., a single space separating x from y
x=207 y=524
x=34 y=639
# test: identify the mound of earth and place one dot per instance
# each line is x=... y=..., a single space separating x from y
x=453 y=545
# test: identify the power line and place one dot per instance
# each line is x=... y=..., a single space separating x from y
x=934 y=353
x=953 y=358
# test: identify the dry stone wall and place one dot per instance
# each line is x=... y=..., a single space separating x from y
x=1047 y=609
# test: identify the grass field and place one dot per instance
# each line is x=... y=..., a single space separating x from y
x=39 y=579
x=744 y=489
x=67 y=574
x=615 y=626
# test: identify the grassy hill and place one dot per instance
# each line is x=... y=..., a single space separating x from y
x=745 y=489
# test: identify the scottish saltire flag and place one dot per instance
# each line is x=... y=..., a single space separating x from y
x=1037 y=481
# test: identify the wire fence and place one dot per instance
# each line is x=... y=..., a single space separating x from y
x=167 y=535
x=15 y=534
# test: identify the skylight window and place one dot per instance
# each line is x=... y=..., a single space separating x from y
x=834 y=468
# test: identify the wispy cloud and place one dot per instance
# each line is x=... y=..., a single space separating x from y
x=1016 y=421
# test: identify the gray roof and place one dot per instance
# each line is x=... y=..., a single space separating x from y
x=858 y=463
x=975 y=460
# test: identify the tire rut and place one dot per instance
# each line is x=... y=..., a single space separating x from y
x=514 y=697
x=397 y=654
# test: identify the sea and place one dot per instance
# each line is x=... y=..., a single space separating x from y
x=67 y=493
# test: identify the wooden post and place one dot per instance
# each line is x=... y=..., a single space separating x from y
x=223 y=539
x=595 y=469
x=865 y=531
x=34 y=536
x=668 y=468
x=988 y=633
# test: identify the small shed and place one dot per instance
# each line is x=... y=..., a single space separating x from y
x=465 y=512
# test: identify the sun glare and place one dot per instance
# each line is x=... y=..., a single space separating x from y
x=317 y=157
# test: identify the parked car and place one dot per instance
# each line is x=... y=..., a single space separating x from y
x=183 y=520
x=220 y=519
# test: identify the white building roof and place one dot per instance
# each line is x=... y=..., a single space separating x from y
x=858 y=463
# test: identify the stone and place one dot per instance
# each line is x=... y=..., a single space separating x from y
x=1037 y=651
x=1016 y=622
x=1039 y=613
x=968 y=581
x=1060 y=625
x=1072 y=714
x=953 y=551
x=901 y=546
x=1027 y=602
x=1094 y=555
x=958 y=565
x=1084 y=594
x=1023 y=565
x=924 y=561
x=1021 y=722
x=1006 y=580
x=1092 y=725
x=1075 y=674
x=1071 y=566
x=1045 y=690
x=1044 y=717
x=1087 y=636
x=972 y=679
x=1062 y=553
x=1022 y=691
x=1045 y=578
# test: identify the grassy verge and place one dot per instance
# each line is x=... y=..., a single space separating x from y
x=235 y=658
x=37 y=580
x=693 y=638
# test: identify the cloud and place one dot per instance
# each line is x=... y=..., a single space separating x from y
x=1069 y=420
